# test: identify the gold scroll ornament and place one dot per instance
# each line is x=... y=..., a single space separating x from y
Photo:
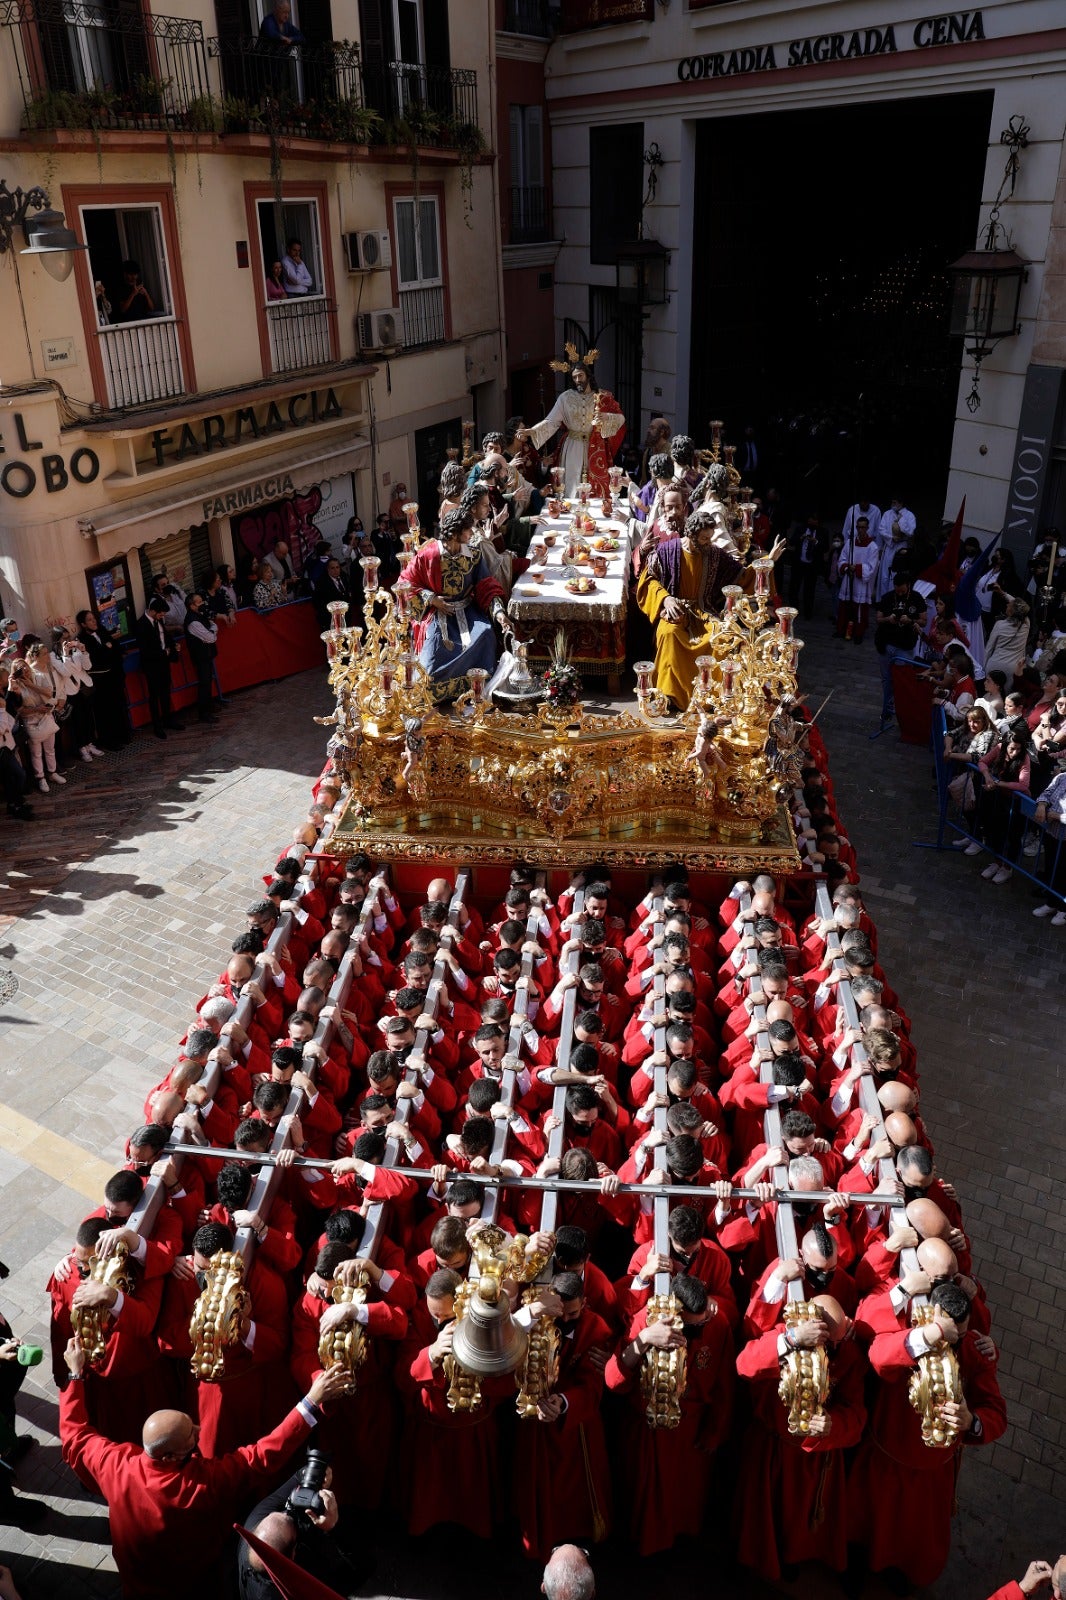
x=665 y=1372
x=90 y=1322
x=345 y=1345
x=933 y=1383
x=804 y=1384
x=218 y=1315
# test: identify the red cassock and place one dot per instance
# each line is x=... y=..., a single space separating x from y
x=450 y=1469
x=791 y=1502
x=254 y=1390
x=131 y=1381
x=361 y=1430
x=171 y=1525
x=562 y=1480
x=763 y=1314
x=901 y=1492
x=664 y=1474
x=163 y=1244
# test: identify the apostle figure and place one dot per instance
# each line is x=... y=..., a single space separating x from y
x=680 y=590
x=459 y=595
x=593 y=422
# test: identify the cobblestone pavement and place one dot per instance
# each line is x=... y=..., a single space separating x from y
x=117 y=909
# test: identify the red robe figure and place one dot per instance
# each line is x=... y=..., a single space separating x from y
x=790 y=1502
x=562 y=1483
x=665 y=1473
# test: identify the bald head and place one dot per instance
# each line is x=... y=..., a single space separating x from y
x=568 y=1575
x=834 y=1317
x=165 y=1106
x=813 y=1254
x=897 y=1097
x=168 y=1435
x=778 y=1011
x=185 y=1074
x=937 y=1258
x=1058 y=1578
x=927 y=1219
x=276 y=1530
x=901 y=1130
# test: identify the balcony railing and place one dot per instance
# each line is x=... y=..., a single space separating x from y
x=88 y=66
x=423 y=316
x=312 y=90
x=528 y=16
x=142 y=361
x=301 y=333
x=529 y=219
x=425 y=98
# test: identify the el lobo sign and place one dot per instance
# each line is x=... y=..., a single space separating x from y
x=956 y=27
x=225 y=430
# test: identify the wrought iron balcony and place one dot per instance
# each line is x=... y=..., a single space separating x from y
x=301 y=333
x=81 y=65
x=433 y=102
x=313 y=90
x=529 y=221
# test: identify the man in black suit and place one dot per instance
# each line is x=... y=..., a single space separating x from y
x=155 y=649
x=109 y=679
x=332 y=585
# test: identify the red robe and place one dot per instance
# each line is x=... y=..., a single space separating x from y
x=171 y=1525
x=450 y=1466
x=664 y=1475
x=791 y=1503
x=131 y=1381
x=901 y=1492
x=561 y=1473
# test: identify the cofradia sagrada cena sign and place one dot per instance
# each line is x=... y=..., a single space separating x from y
x=958 y=27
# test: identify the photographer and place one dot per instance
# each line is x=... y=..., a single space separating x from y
x=901 y=617
x=15 y=1357
x=298 y=1520
x=134 y=303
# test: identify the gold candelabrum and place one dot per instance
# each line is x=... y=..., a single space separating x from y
x=90 y=1322
x=422 y=779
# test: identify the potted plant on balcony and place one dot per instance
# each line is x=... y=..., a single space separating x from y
x=468 y=140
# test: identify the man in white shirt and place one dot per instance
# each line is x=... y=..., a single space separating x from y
x=297 y=278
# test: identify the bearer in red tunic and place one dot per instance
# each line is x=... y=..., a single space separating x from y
x=665 y=1472
x=450 y=1458
x=901 y=1492
x=791 y=1504
x=562 y=1479
x=363 y=1426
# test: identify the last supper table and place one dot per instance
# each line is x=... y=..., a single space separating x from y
x=587 y=597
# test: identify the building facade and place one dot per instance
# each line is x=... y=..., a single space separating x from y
x=168 y=404
x=822 y=164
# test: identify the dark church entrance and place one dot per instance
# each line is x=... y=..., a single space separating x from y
x=820 y=296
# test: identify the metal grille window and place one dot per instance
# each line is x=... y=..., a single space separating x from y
x=419 y=273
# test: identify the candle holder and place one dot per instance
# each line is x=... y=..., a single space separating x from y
x=371 y=566
x=338 y=610
x=729 y=669
x=645 y=671
x=404 y=559
x=704 y=664
x=584 y=493
x=401 y=602
x=786 y=619
x=410 y=511
x=716 y=439
x=731 y=593
x=386 y=679
x=650 y=703
x=468 y=444
x=762 y=568
x=478 y=679
x=615 y=476
x=747 y=509
x=407 y=663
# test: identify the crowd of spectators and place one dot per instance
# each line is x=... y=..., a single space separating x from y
x=622 y=1043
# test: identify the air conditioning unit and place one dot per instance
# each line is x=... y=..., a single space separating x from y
x=367 y=252
x=380 y=330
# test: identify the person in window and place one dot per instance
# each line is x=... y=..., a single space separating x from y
x=269 y=591
x=277 y=30
x=275 y=283
x=133 y=302
x=103 y=304
x=297 y=279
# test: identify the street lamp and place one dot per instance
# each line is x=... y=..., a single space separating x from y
x=987 y=283
x=641 y=273
x=46 y=234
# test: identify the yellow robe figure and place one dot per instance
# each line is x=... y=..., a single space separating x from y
x=680 y=570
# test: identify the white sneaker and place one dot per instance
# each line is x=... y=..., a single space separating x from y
x=57 y=777
x=84 y=753
x=93 y=751
x=42 y=784
x=990 y=871
x=1059 y=920
x=1044 y=911
x=973 y=849
x=1003 y=874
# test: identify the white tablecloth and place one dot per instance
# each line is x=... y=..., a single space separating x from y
x=551 y=601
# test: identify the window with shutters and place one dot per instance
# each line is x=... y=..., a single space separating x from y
x=419 y=269
x=529 y=222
